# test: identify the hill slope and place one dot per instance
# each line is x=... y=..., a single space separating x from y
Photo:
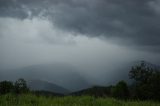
x=57 y=73
x=39 y=85
x=98 y=91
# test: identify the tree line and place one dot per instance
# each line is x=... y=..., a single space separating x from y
x=145 y=85
x=20 y=86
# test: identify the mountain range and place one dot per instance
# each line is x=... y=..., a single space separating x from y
x=62 y=75
x=39 y=85
x=58 y=79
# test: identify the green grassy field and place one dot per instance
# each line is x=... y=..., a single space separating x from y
x=32 y=100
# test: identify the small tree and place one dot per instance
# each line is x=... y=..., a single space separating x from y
x=120 y=90
x=21 y=86
x=140 y=73
x=6 y=87
x=147 y=81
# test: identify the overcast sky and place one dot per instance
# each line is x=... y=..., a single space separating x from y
x=95 y=36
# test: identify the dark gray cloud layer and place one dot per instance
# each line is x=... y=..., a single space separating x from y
x=134 y=21
x=82 y=33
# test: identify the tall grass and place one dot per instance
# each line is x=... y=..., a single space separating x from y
x=32 y=100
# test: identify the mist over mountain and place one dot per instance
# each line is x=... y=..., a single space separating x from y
x=61 y=74
x=60 y=77
x=39 y=85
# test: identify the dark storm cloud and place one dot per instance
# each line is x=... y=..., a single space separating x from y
x=133 y=21
x=82 y=33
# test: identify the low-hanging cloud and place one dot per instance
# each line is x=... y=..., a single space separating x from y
x=98 y=37
x=133 y=21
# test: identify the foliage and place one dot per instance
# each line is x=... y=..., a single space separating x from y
x=147 y=82
x=120 y=90
x=96 y=91
x=45 y=93
x=21 y=86
x=6 y=87
x=32 y=100
x=146 y=85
